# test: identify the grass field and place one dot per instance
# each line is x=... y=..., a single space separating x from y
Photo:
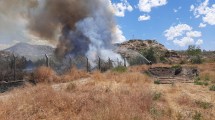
x=128 y=95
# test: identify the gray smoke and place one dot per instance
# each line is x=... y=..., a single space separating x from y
x=81 y=27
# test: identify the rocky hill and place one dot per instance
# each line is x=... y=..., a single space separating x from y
x=139 y=45
x=135 y=49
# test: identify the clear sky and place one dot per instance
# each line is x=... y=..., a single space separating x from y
x=192 y=21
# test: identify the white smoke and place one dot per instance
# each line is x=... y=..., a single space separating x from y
x=97 y=29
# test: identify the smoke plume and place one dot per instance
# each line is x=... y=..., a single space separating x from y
x=81 y=27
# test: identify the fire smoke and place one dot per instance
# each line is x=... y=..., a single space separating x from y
x=81 y=27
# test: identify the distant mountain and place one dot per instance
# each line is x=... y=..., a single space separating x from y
x=31 y=52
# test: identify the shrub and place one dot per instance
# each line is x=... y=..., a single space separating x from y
x=196 y=82
x=204 y=105
x=194 y=52
x=176 y=67
x=212 y=88
x=196 y=60
x=157 y=82
x=182 y=62
x=119 y=69
x=197 y=116
x=45 y=75
x=150 y=55
x=71 y=87
x=157 y=96
x=197 y=78
x=163 y=59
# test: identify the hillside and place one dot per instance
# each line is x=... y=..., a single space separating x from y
x=31 y=52
x=136 y=49
x=139 y=45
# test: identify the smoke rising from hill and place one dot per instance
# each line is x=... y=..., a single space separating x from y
x=81 y=27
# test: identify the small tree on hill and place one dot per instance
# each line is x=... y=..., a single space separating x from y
x=194 y=53
x=150 y=55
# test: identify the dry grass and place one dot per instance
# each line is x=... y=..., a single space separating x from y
x=207 y=72
x=47 y=75
x=139 y=68
x=87 y=102
x=109 y=96
x=73 y=74
x=127 y=77
x=185 y=100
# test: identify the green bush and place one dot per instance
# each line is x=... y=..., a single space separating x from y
x=163 y=59
x=157 y=82
x=197 y=116
x=197 y=82
x=196 y=60
x=119 y=69
x=207 y=77
x=150 y=55
x=176 y=67
x=212 y=88
x=204 y=105
x=157 y=96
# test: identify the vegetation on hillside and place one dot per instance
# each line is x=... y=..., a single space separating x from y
x=195 y=54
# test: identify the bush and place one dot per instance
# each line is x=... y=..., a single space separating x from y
x=197 y=116
x=120 y=69
x=157 y=96
x=176 y=67
x=204 y=105
x=157 y=82
x=150 y=55
x=71 y=87
x=196 y=60
x=196 y=82
x=212 y=88
x=194 y=52
x=163 y=59
x=45 y=75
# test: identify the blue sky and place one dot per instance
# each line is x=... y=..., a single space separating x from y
x=173 y=13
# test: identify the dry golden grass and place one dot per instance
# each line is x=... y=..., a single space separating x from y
x=138 y=68
x=74 y=74
x=45 y=75
x=88 y=102
x=131 y=95
x=207 y=72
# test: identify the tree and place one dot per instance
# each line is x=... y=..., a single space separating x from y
x=150 y=55
x=193 y=50
x=194 y=53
